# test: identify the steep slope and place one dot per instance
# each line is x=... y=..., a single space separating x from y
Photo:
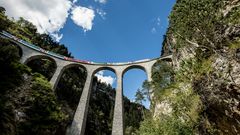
x=203 y=94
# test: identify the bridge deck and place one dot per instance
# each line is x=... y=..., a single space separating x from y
x=39 y=49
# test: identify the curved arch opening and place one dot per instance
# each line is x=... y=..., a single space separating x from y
x=102 y=100
x=135 y=101
x=42 y=64
x=69 y=90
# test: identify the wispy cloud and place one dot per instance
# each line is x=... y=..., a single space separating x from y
x=101 y=13
x=158 y=21
x=101 y=1
x=74 y=1
x=57 y=36
x=153 y=30
x=156 y=25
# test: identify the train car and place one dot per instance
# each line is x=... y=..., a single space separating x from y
x=8 y=35
x=84 y=61
x=18 y=40
x=75 y=60
x=66 y=58
x=2 y=36
x=56 y=55
x=45 y=51
x=29 y=45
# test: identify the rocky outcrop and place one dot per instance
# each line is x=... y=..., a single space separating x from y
x=206 y=61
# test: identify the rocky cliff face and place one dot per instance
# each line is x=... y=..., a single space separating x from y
x=204 y=38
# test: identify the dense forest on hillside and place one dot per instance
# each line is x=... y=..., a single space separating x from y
x=199 y=91
x=28 y=105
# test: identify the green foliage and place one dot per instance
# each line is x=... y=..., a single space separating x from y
x=133 y=115
x=39 y=111
x=198 y=21
x=101 y=108
x=235 y=44
x=182 y=120
x=163 y=72
x=70 y=86
x=197 y=93
x=45 y=67
x=194 y=69
x=139 y=97
x=162 y=76
x=165 y=126
x=4 y=21
x=173 y=87
x=11 y=70
x=233 y=16
x=45 y=113
x=11 y=77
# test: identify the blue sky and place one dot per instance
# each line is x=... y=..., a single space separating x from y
x=101 y=30
x=126 y=34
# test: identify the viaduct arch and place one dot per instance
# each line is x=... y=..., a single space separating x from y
x=30 y=51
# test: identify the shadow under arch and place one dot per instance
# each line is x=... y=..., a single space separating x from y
x=42 y=64
x=74 y=65
x=40 y=57
x=71 y=82
x=101 y=104
x=69 y=88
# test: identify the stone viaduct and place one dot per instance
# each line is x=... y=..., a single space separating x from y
x=79 y=122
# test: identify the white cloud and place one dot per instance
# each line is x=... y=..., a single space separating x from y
x=57 y=36
x=48 y=16
x=101 y=13
x=83 y=17
x=158 y=21
x=101 y=1
x=74 y=1
x=106 y=79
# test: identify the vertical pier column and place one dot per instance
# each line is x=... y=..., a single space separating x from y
x=149 y=79
x=79 y=121
x=26 y=53
x=149 y=75
x=56 y=76
x=118 y=126
x=23 y=59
